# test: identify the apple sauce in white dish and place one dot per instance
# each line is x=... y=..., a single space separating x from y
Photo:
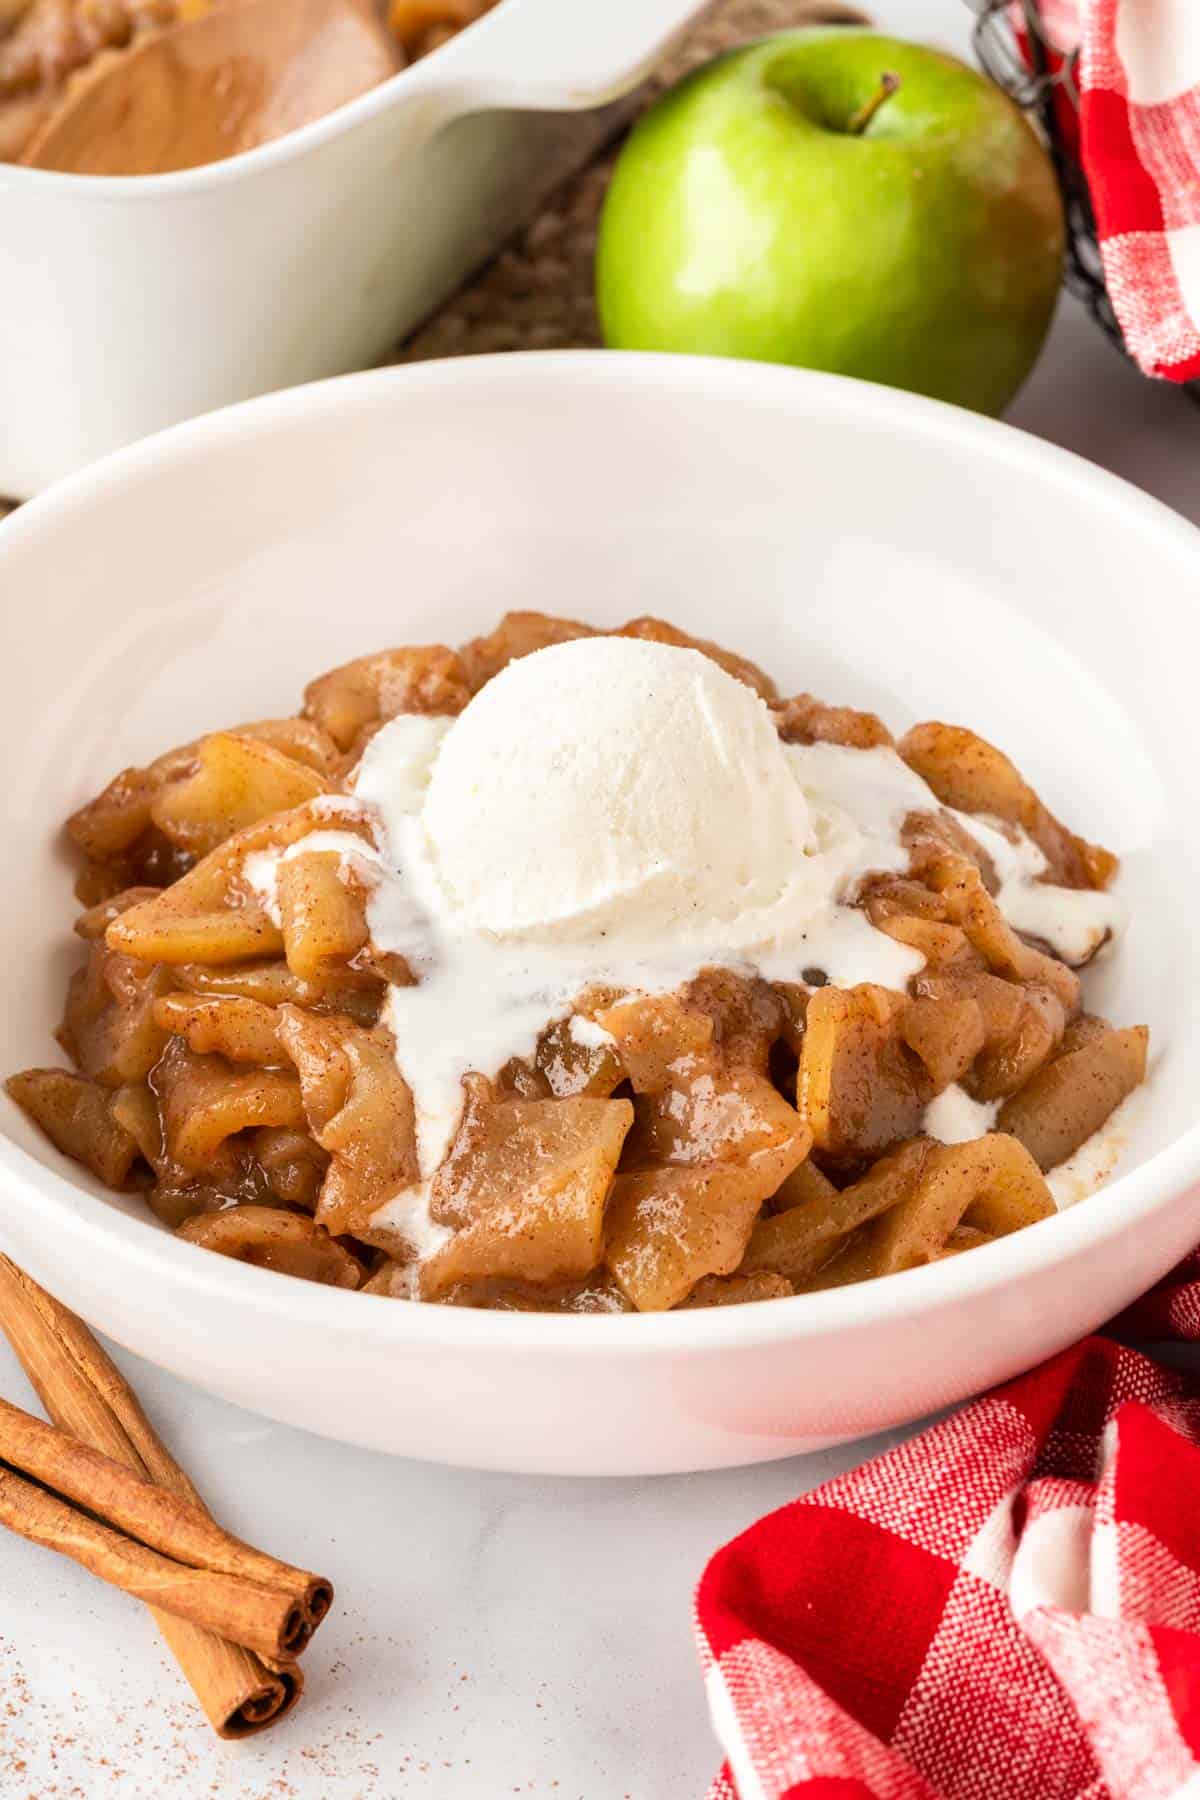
x=144 y=87
x=581 y=972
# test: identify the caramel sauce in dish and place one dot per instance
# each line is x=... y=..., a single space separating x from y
x=146 y=87
x=212 y=86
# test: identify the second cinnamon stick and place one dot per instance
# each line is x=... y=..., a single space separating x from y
x=168 y=1523
x=261 y=1618
x=85 y=1393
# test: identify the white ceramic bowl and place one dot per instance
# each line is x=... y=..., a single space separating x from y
x=874 y=547
x=127 y=304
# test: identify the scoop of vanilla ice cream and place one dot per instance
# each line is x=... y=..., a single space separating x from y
x=613 y=787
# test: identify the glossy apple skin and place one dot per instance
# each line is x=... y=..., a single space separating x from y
x=743 y=219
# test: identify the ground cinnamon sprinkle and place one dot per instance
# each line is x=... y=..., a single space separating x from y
x=152 y=1751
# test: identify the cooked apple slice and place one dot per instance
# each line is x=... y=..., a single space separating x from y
x=989 y=1186
x=206 y=1100
x=293 y=1164
x=669 y=1227
x=349 y=701
x=947 y=1035
x=971 y=775
x=736 y=1290
x=322 y=914
x=110 y=1029
x=1074 y=1095
x=222 y=1025
x=359 y=1108
x=77 y=1116
x=802 y=719
x=657 y=631
x=797 y=1242
x=960 y=885
x=518 y=634
x=354 y=993
x=236 y=782
x=269 y=1238
x=525 y=1185
x=210 y=915
x=860 y=1086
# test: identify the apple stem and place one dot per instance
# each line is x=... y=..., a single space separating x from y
x=888 y=83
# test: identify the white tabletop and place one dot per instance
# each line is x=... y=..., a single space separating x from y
x=493 y=1634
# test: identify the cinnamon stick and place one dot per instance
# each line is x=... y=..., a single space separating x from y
x=85 y=1394
x=282 y=1606
x=238 y=1610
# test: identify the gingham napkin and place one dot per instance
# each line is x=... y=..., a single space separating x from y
x=1004 y=1608
x=1139 y=140
x=1170 y=1310
x=1007 y=1607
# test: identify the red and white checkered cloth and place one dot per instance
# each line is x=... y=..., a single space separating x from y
x=1006 y=1607
x=1139 y=140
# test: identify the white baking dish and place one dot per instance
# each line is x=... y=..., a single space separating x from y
x=129 y=304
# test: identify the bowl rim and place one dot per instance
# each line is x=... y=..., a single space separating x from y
x=138 y=1249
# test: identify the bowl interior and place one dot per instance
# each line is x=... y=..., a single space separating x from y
x=874 y=549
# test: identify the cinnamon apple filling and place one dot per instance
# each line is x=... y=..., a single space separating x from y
x=579 y=971
x=142 y=87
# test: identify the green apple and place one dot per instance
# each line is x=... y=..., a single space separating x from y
x=838 y=200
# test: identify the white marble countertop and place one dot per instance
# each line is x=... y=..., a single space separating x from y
x=493 y=1634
